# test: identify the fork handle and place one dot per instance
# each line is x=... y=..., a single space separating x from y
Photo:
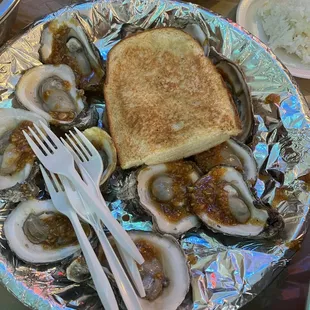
x=132 y=269
x=99 y=277
x=129 y=262
x=126 y=289
x=104 y=214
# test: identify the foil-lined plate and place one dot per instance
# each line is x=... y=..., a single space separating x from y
x=226 y=272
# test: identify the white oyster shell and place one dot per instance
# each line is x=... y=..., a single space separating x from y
x=21 y=245
x=175 y=269
x=105 y=146
x=231 y=153
x=251 y=222
x=10 y=119
x=77 y=47
x=59 y=95
x=145 y=176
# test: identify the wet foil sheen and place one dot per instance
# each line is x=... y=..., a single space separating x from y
x=226 y=272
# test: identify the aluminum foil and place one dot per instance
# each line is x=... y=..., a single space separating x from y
x=226 y=272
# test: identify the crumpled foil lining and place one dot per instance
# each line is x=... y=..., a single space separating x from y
x=226 y=272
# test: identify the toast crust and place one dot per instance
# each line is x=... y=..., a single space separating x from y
x=165 y=100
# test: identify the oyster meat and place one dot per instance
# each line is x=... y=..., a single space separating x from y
x=163 y=192
x=37 y=233
x=230 y=153
x=105 y=146
x=225 y=204
x=50 y=91
x=63 y=41
x=17 y=161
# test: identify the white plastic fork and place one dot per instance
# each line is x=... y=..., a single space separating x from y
x=126 y=289
x=99 y=277
x=91 y=161
x=56 y=158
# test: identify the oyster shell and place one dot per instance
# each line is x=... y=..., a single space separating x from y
x=165 y=273
x=17 y=161
x=163 y=256
x=78 y=271
x=236 y=83
x=50 y=92
x=105 y=146
x=37 y=233
x=162 y=191
x=225 y=204
x=199 y=35
x=63 y=41
x=231 y=153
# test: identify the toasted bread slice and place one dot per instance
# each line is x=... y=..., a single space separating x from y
x=165 y=100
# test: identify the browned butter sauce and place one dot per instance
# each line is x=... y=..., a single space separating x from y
x=60 y=232
x=22 y=148
x=209 y=196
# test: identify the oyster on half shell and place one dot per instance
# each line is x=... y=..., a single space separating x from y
x=63 y=41
x=163 y=193
x=50 y=91
x=105 y=146
x=17 y=161
x=225 y=204
x=164 y=273
x=231 y=153
x=37 y=233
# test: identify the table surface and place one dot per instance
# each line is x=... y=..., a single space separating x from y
x=290 y=289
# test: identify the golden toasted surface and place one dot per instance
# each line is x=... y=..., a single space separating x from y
x=165 y=99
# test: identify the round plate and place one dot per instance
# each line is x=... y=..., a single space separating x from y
x=225 y=271
x=248 y=18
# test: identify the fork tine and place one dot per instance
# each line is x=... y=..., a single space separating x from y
x=50 y=145
x=86 y=142
x=39 y=141
x=67 y=185
x=56 y=182
x=34 y=147
x=76 y=158
x=48 y=182
x=52 y=136
x=84 y=149
x=77 y=150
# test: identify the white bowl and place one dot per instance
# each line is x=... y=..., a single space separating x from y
x=248 y=18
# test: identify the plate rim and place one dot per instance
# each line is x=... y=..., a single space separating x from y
x=24 y=297
x=242 y=8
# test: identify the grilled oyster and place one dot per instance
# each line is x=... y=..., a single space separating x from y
x=63 y=41
x=162 y=190
x=37 y=233
x=230 y=153
x=50 y=91
x=104 y=144
x=17 y=161
x=225 y=204
x=165 y=273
